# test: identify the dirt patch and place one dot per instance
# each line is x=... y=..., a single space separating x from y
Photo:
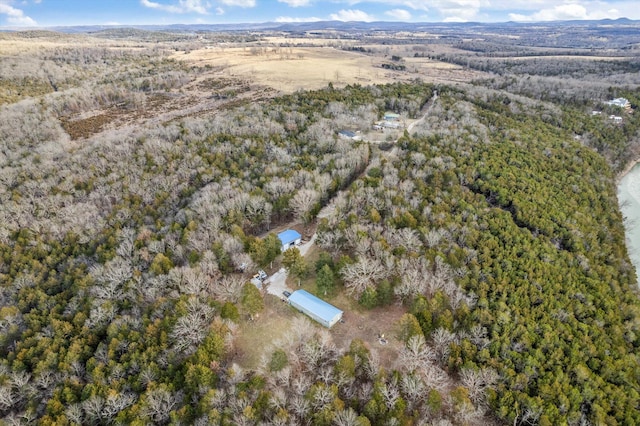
x=85 y=127
x=369 y=326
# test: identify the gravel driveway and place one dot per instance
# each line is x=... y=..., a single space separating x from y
x=277 y=283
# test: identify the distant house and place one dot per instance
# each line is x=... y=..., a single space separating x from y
x=348 y=134
x=289 y=238
x=321 y=311
x=390 y=124
x=619 y=102
x=615 y=118
x=391 y=116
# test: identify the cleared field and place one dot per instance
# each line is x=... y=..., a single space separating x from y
x=568 y=57
x=256 y=338
x=310 y=41
x=292 y=68
x=288 y=69
x=19 y=44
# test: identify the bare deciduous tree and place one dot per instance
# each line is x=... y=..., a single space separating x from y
x=346 y=417
x=191 y=329
x=415 y=275
x=228 y=288
x=302 y=203
x=7 y=398
x=159 y=403
x=416 y=354
x=442 y=339
x=477 y=381
x=359 y=276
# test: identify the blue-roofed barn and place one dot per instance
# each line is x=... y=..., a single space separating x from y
x=321 y=311
x=289 y=238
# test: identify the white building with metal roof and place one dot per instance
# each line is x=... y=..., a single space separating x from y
x=321 y=311
x=289 y=238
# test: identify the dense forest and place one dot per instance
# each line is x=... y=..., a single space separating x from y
x=126 y=250
x=517 y=254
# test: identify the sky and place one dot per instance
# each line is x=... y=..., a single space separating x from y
x=48 y=13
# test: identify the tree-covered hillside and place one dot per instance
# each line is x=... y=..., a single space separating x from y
x=128 y=234
x=525 y=218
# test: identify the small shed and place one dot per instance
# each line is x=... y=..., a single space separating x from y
x=319 y=310
x=289 y=238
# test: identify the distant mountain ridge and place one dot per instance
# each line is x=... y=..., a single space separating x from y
x=341 y=26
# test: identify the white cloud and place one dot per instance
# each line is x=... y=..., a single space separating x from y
x=411 y=4
x=565 y=12
x=351 y=15
x=455 y=19
x=399 y=14
x=517 y=17
x=16 y=16
x=183 y=6
x=459 y=14
x=296 y=3
x=292 y=19
x=240 y=3
x=219 y=11
x=166 y=7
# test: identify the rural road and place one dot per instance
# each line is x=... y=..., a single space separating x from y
x=429 y=105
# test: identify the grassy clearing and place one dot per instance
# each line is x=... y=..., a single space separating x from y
x=256 y=337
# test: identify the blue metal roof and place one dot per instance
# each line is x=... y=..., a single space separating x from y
x=313 y=304
x=347 y=133
x=288 y=236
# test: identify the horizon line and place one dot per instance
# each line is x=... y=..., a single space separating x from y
x=302 y=23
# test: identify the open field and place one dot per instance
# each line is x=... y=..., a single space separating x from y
x=287 y=69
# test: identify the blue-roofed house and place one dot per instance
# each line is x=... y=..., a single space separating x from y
x=321 y=311
x=289 y=238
